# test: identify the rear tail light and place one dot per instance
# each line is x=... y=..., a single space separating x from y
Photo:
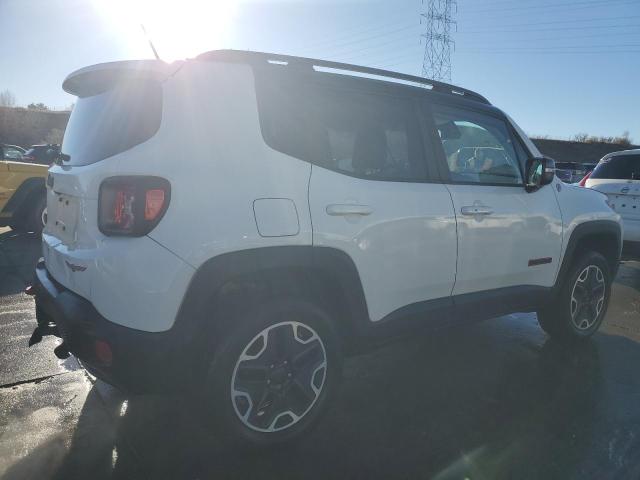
x=132 y=205
x=583 y=182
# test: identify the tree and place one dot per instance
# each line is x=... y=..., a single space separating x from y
x=7 y=98
x=37 y=106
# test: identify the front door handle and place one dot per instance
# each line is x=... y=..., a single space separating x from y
x=337 y=209
x=474 y=210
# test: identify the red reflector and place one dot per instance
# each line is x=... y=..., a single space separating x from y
x=104 y=353
x=122 y=212
x=154 y=201
x=583 y=182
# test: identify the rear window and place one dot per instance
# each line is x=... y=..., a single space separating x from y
x=620 y=167
x=112 y=122
x=356 y=133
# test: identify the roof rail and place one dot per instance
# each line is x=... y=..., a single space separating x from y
x=242 y=56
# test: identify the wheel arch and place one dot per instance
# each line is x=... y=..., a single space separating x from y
x=602 y=236
x=326 y=276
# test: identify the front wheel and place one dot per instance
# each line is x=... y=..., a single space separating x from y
x=272 y=378
x=582 y=302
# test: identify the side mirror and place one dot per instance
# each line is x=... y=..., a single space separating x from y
x=539 y=172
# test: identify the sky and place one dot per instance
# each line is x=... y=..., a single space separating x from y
x=557 y=67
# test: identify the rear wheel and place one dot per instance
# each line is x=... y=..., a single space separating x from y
x=582 y=302
x=36 y=215
x=272 y=378
x=32 y=216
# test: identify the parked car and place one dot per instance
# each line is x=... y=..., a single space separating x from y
x=617 y=175
x=314 y=215
x=22 y=193
x=42 y=154
x=11 y=152
x=570 y=172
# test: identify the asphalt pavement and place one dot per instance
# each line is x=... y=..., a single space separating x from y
x=492 y=400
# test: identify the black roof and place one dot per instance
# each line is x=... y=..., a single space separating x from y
x=256 y=58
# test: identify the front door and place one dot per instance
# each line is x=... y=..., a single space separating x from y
x=506 y=236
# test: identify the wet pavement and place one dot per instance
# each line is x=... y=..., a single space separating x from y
x=494 y=400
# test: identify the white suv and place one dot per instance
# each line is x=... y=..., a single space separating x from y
x=617 y=175
x=236 y=223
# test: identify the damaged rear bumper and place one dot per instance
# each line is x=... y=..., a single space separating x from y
x=132 y=360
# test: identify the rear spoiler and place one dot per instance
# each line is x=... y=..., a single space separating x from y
x=99 y=78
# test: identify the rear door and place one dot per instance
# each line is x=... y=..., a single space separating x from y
x=506 y=236
x=369 y=191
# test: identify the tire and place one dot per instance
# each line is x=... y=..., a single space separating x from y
x=580 y=306
x=271 y=363
x=34 y=221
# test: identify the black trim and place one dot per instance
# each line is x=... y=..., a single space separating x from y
x=142 y=361
x=540 y=261
x=273 y=263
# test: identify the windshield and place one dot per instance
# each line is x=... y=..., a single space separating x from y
x=622 y=167
x=112 y=122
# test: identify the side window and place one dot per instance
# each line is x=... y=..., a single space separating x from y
x=363 y=135
x=478 y=147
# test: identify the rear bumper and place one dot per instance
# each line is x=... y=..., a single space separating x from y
x=140 y=362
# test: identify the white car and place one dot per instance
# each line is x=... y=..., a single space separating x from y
x=617 y=175
x=237 y=223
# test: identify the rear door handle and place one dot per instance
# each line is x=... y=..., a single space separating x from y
x=476 y=210
x=337 y=209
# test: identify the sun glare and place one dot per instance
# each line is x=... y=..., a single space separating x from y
x=178 y=28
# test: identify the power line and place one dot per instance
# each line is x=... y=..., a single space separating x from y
x=552 y=29
x=553 y=5
x=436 y=63
x=578 y=20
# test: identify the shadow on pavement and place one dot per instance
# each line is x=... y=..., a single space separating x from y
x=475 y=403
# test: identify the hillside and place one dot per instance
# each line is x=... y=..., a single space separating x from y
x=24 y=127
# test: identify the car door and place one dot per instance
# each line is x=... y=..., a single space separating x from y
x=372 y=199
x=506 y=236
x=369 y=190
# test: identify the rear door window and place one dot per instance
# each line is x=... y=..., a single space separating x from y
x=112 y=122
x=621 y=167
x=356 y=133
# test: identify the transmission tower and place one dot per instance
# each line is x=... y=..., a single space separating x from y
x=438 y=42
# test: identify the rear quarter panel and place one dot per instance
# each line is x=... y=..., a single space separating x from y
x=219 y=165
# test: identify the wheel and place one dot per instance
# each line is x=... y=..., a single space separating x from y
x=272 y=377
x=582 y=302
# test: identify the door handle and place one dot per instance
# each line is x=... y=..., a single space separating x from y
x=474 y=210
x=337 y=209
x=624 y=190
